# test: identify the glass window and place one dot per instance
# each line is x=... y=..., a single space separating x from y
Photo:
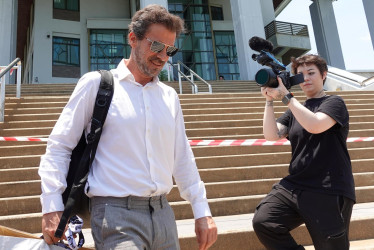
x=66 y=51
x=196 y=47
x=227 y=58
x=66 y=4
x=108 y=48
x=217 y=13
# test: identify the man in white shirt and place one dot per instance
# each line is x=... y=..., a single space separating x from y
x=142 y=146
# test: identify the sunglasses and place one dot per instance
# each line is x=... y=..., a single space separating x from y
x=157 y=47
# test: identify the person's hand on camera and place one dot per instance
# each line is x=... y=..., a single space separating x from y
x=264 y=92
x=275 y=93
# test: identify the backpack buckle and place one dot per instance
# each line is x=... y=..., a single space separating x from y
x=95 y=128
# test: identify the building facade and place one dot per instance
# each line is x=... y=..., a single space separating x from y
x=63 y=39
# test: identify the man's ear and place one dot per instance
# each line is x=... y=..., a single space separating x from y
x=132 y=39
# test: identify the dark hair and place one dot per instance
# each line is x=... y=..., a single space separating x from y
x=307 y=60
x=154 y=14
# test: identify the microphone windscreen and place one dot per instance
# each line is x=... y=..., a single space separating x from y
x=257 y=43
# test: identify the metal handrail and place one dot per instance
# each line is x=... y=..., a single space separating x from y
x=2 y=83
x=193 y=73
x=180 y=73
x=9 y=67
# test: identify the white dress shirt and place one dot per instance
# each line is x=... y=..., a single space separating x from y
x=143 y=144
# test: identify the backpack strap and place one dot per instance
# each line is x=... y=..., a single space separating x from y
x=102 y=103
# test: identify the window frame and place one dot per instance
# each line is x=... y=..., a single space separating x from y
x=67 y=63
x=66 y=8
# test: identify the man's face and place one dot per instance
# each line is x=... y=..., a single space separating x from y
x=151 y=63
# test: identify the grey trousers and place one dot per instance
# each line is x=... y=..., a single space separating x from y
x=146 y=223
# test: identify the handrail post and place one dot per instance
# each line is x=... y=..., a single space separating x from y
x=2 y=84
x=169 y=69
x=19 y=76
x=180 y=79
x=194 y=74
x=2 y=97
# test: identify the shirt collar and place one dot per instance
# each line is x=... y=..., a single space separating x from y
x=123 y=72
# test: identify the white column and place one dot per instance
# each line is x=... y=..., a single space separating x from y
x=268 y=14
x=144 y=3
x=369 y=11
x=248 y=22
x=8 y=34
x=326 y=32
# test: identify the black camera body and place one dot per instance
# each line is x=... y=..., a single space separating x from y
x=268 y=77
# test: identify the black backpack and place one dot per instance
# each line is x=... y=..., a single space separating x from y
x=75 y=200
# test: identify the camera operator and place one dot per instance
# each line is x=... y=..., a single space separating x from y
x=319 y=190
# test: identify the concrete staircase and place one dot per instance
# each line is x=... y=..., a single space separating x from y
x=236 y=177
x=67 y=88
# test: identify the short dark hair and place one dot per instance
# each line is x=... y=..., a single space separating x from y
x=308 y=59
x=154 y=14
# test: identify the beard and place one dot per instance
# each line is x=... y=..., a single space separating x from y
x=141 y=61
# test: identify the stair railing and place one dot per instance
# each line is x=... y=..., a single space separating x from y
x=192 y=74
x=188 y=78
x=3 y=71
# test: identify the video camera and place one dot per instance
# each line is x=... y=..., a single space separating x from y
x=268 y=77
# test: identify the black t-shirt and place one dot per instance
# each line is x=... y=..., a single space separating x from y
x=320 y=162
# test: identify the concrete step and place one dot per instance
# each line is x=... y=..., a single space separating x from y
x=228 y=130
x=258 y=98
x=185 y=98
x=258 y=122
x=24 y=161
x=253 y=132
x=33 y=110
x=279 y=110
x=207 y=175
x=236 y=231
x=19 y=188
x=31 y=117
x=252 y=105
x=230 y=136
x=220 y=161
x=226 y=197
x=36 y=99
x=239 y=227
x=7 y=162
x=27 y=124
x=237 y=150
x=241 y=173
x=34 y=104
x=249 y=116
x=18 y=150
x=220 y=207
x=27 y=132
x=19 y=174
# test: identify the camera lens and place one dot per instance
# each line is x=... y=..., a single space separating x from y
x=266 y=78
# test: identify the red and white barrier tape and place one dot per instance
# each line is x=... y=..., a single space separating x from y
x=243 y=142
x=22 y=139
x=248 y=142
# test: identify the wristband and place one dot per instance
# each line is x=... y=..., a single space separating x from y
x=287 y=98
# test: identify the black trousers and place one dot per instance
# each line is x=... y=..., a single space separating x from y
x=326 y=217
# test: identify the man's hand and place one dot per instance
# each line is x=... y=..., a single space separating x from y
x=206 y=232
x=49 y=225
